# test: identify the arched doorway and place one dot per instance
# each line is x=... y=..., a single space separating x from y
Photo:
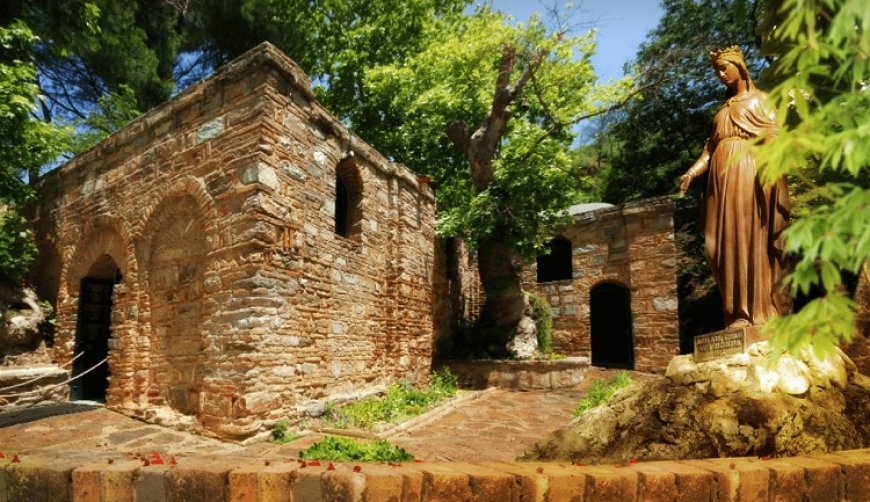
x=93 y=330
x=610 y=320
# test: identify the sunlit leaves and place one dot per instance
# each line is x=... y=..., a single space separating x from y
x=824 y=116
x=25 y=144
x=454 y=79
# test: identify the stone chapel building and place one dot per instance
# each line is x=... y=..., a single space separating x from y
x=237 y=256
x=611 y=280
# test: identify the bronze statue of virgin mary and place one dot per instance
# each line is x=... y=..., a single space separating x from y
x=743 y=218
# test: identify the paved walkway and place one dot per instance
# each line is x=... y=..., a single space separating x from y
x=497 y=426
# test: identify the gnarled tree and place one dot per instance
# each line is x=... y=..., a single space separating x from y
x=509 y=96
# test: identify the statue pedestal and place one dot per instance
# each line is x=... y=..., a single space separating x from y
x=726 y=342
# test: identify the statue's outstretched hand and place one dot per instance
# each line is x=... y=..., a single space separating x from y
x=685 y=181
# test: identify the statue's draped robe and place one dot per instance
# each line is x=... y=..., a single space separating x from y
x=744 y=220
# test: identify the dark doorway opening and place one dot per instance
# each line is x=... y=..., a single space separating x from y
x=93 y=330
x=556 y=264
x=610 y=319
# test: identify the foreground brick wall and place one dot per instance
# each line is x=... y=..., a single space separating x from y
x=843 y=476
x=236 y=302
x=631 y=245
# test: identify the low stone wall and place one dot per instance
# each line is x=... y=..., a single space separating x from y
x=32 y=386
x=520 y=375
x=843 y=476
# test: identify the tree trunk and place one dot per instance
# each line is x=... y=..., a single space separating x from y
x=506 y=320
x=508 y=328
x=498 y=275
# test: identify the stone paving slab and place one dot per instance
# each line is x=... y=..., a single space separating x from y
x=496 y=427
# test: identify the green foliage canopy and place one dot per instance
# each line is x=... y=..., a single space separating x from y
x=453 y=79
x=823 y=102
x=25 y=145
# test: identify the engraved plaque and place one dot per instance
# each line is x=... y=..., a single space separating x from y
x=720 y=344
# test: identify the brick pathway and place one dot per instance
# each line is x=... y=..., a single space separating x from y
x=497 y=426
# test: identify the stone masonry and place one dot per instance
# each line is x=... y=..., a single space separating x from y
x=237 y=300
x=631 y=246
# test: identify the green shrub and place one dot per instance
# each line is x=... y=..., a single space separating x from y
x=600 y=392
x=342 y=448
x=17 y=247
x=281 y=433
x=543 y=316
x=401 y=402
x=444 y=381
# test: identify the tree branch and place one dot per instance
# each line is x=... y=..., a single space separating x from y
x=557 y=126
x=457 y=132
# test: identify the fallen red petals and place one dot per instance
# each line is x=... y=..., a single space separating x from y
x=172 y=461
x=15 y=459
x=330 y=467
x=632 y=461
x=357 y=468
x=314 y=463
x=765 y=457
x=539 y=470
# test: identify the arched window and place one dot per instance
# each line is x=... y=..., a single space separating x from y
x=348 y=200
x=556 y=265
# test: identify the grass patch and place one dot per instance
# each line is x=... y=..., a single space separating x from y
x=601 y=391
x=342 y=448
x=401 y=402
x=281 y=433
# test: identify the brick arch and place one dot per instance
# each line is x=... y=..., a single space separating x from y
x=173 y=248
x=189 y=186
x=103 y=236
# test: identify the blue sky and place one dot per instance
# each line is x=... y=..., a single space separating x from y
x=622 y=25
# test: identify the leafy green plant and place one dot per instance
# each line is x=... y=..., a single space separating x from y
x=601 y=391
x=17 y=248
x=402 y=401
x=342 y=448
x=543 y=316
x=281 y=433
x=820 y=62
x=445 y=382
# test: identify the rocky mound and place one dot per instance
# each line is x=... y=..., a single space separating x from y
x=736 y=406
x=21 y=317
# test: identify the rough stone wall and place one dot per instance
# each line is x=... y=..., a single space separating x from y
x=631 y=245
x=457 y=293
x=237 y=303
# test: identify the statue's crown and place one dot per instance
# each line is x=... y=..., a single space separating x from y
x=732 y=51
